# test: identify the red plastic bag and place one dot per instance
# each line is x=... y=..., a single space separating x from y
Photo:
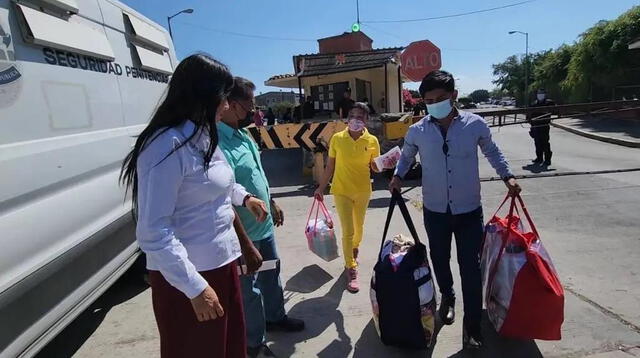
x=321 y=238
x=523 y=295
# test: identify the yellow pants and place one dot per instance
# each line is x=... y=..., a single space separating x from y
x=351 y=211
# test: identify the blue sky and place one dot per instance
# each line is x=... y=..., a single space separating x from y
x=469 y=44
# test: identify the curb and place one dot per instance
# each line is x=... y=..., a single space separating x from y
x=602 y=138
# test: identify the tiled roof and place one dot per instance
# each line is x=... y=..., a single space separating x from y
x=277 y=77
x=323 y=64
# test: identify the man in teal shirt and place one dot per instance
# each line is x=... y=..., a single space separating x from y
x=262 y=292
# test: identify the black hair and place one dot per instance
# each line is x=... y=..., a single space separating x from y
x=197 y=87
x=437 y=80
x=361 y=106
x=242 y=89
x=348 y=90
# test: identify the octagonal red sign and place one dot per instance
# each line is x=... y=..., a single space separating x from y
x=420 y=58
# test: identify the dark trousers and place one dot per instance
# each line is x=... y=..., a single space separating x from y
x=543 y=145
x=181 y=335
x=468 y=230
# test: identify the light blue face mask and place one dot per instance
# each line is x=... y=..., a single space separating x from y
x=440 y=109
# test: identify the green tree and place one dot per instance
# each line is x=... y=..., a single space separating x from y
x=464 y=100
x=590 y=69
x=498 y=93
x=510 y=76
x=480 y=95
x=602 y=60
x=552 y=70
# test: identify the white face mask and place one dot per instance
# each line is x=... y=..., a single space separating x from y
x=356 y=125
x=440 y=110
x=541 y=96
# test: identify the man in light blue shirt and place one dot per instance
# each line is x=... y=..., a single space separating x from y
x=262 y=292
x=447 y=141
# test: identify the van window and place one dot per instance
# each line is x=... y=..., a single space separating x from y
x=146 y=33
x=66 y=5
x=42 y=29
x=154 y=60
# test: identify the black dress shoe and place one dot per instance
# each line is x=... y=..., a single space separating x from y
x=287 y=324
x=472 y=340
x=547 y=162
x=447 y=310
x=537 y=161
x=262 y=351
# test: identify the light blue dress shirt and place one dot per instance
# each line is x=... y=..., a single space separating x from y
x=185 y=213
x=451 y=180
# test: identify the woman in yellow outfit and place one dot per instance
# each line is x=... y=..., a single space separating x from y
x=351 y=154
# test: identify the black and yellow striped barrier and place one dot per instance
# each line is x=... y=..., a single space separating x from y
x=309 y=136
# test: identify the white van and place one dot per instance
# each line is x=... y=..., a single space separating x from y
x=78 y=80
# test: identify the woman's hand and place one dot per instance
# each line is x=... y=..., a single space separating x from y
x=206 y=305
x=257 y=208
x=319 y=193
x=252 y=258
x=277 y=214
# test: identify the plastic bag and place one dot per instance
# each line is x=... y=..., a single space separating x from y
x=523 y=294
x=321 y=238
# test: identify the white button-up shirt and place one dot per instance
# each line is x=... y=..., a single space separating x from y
x=185 y=214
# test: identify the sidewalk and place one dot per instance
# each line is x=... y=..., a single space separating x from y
x=624 y=132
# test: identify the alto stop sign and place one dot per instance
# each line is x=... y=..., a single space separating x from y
x=420 y=58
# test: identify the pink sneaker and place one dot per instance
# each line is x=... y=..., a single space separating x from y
x=352 y=280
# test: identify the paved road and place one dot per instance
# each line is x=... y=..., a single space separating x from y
x=588 y=223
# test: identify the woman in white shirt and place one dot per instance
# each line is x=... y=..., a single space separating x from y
x=183 y=191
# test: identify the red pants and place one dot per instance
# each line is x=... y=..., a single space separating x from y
x=181 y=335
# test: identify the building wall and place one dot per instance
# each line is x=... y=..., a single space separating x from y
x=374 y=75
x=347 y=42
x=270 y=98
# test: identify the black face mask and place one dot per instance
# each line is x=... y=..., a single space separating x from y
x=247 y=120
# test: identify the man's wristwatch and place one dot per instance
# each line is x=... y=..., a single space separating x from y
x=244 y=201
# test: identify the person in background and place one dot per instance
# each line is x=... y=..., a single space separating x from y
x=262 y=292
x=351 y=154
x=286 y=117
x=271 y=117
x=540 y=128
x=345 y=104
x=447 y=141
x=258 y=118
x=372 y=110
x=308 y=111
x=183 y=190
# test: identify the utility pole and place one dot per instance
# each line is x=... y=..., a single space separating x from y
x=526 y=66
x=185 y=11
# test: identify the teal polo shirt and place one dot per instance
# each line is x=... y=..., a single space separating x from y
x=244 y=157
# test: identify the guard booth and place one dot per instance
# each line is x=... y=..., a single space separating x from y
x=346 y=61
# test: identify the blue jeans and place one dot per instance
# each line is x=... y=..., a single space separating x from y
x=468 y=230
x=262 y=295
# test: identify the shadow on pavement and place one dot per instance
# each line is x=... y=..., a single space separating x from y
x=308 y=280
x=382 y=202
x=369 y=345
x=603 y=124
x=537 y=168
x=496 y=346
x=319 y=313
x=306 y=190
x=67 y=342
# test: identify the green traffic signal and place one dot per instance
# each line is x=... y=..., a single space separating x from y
x=355 y=27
